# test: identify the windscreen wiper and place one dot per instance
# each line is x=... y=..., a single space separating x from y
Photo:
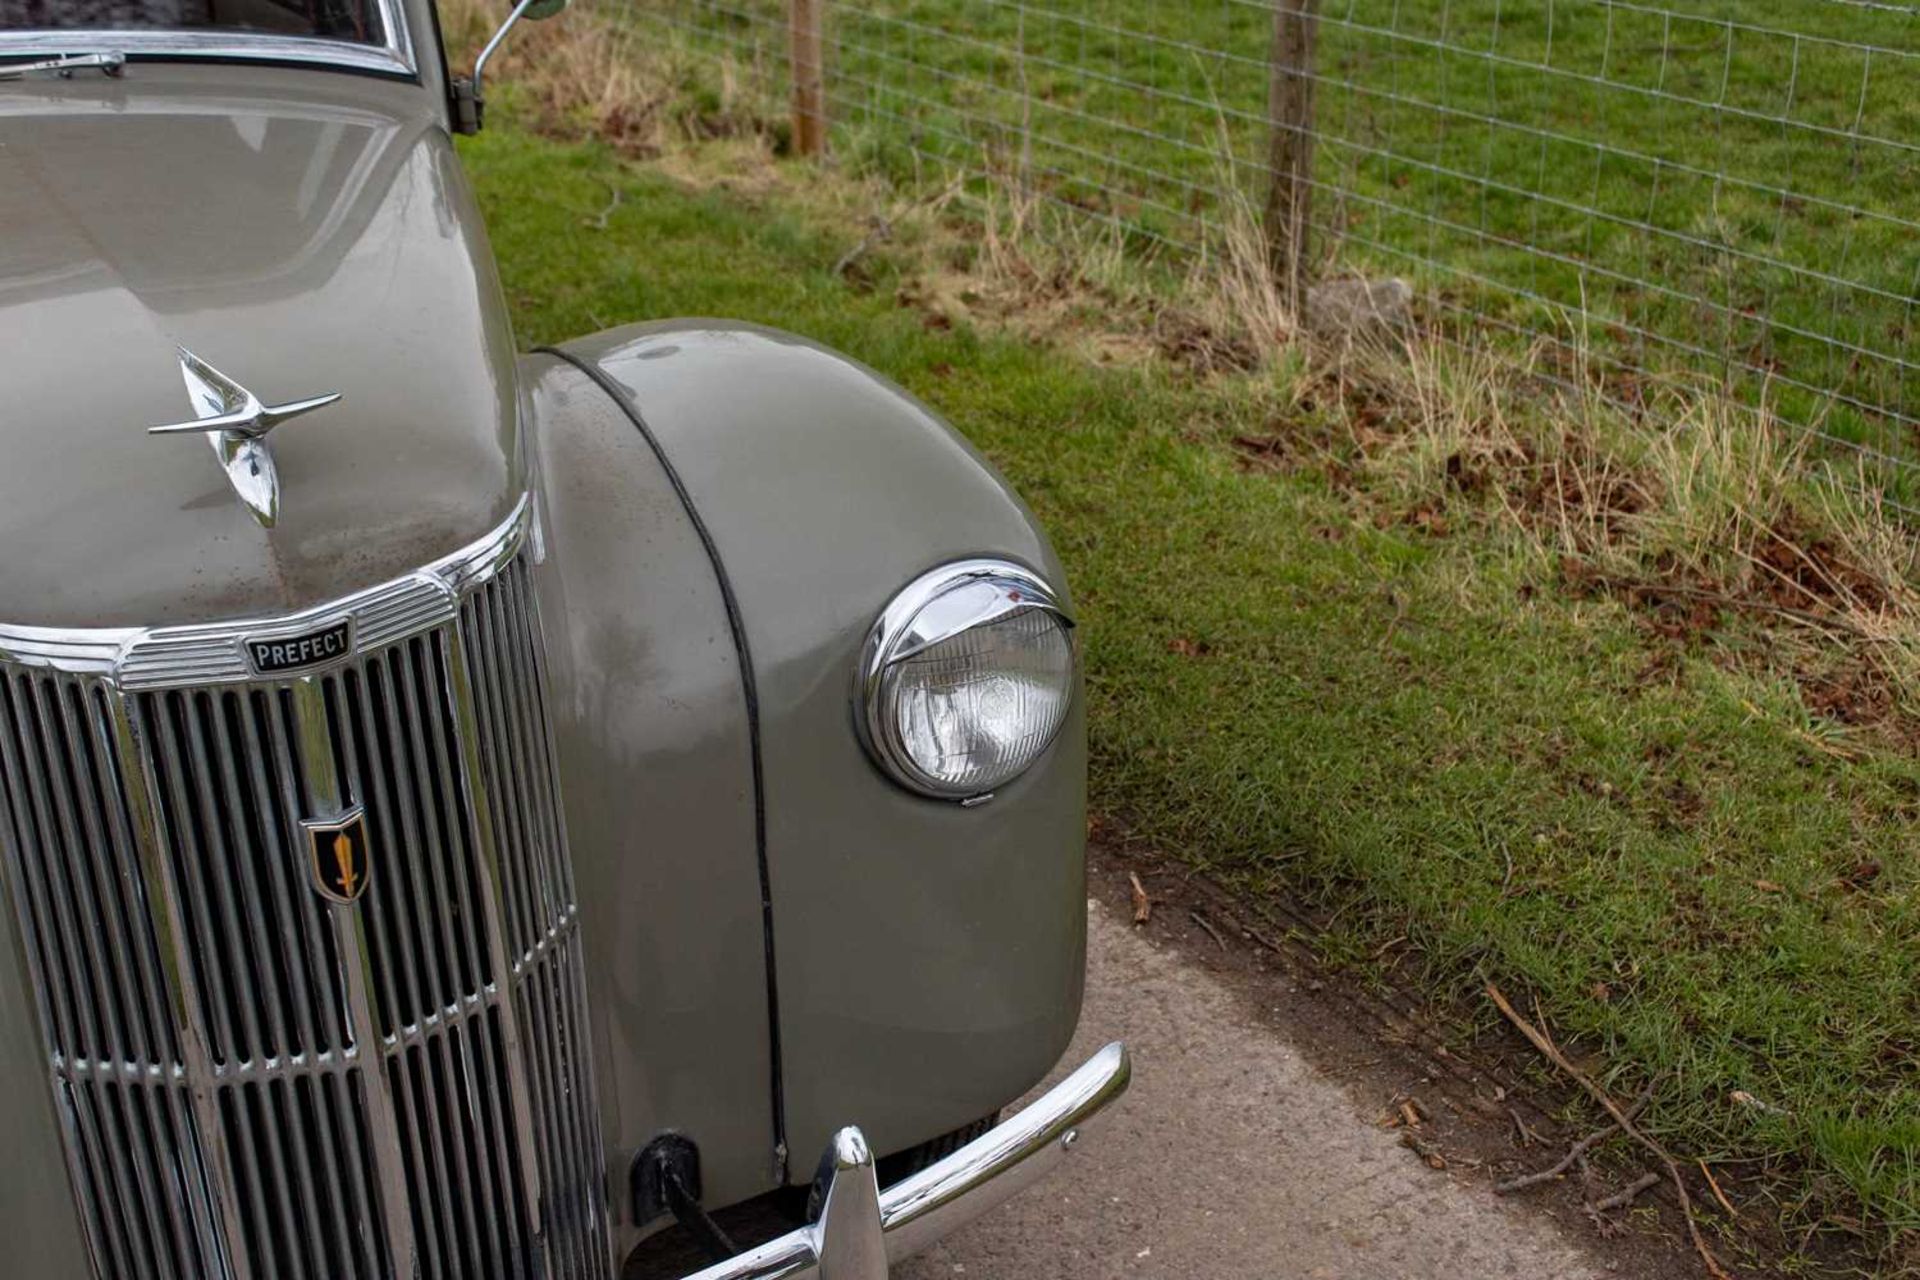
x=106 y=63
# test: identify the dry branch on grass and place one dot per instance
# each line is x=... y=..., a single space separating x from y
x=1544 y=1043
x=1576 y=1153
x=1623 y=1197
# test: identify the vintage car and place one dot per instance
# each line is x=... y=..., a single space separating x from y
x=465 y=812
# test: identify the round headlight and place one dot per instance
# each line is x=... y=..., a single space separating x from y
x=966 y=678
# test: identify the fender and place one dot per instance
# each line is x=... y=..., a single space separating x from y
x=651 y=738
x=928 y=958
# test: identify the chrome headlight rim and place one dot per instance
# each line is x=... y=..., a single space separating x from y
x=897 y=634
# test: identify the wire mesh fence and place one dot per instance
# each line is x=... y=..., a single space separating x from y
x=1635 y=191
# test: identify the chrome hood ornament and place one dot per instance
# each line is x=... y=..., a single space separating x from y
x=237 y=423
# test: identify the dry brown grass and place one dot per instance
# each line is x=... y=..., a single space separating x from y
x=1712 y=520
x=589 y=74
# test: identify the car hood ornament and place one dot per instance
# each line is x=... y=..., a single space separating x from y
x=237 y=423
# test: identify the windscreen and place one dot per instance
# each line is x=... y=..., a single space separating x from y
x=359 y=21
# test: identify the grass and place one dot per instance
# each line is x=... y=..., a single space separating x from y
x=1721 y=187
x=1616 y=710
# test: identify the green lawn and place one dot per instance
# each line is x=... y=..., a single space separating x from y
x=1420 y=733
x=1725 y=186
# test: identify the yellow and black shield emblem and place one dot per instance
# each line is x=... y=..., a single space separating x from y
x=337 y=851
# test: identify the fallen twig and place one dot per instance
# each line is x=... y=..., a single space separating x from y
x=1718 y=1194
x=1428 y=1153
x=1541 y=1041
x=1576 y=1152
x=1142 y=904
x=1558 y=1167
x=1264 y=940
x=1626 y=1195
x=1207 y=925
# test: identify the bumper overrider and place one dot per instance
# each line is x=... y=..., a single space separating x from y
x=862 y=1230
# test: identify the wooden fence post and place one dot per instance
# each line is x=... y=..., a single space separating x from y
x=809 y=77
x=1289 y=222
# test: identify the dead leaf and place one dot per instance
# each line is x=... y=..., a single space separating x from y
x=1768 y=886
x=1862 y=873
x=1142 y=904
x=1741 y=1098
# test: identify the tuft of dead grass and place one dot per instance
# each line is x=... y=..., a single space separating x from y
x=1710 y=519
x=591 y=74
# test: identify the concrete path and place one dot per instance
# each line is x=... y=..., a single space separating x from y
x=1231 y=1157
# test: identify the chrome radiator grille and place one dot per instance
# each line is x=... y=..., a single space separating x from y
x=257 y=1081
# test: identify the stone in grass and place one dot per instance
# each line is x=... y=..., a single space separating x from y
x=1349 y=307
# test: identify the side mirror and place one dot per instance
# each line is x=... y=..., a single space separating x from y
x=469 y=98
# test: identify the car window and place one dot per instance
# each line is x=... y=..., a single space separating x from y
x=358 y=21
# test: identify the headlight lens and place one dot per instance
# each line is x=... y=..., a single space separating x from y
x=966 y=679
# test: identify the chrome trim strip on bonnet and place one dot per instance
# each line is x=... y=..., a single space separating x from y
x=137 y=658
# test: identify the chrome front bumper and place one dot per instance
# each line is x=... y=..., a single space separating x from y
x=862 y=1230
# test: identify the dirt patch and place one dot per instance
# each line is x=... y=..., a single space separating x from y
x=1801 y=567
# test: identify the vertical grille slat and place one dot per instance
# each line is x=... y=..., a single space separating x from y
x=401 y=989
x=134 y=1122
x=427 y=1170
x=506 y=796
x=395 y=766
x=477 y=1043
x=29 y=879
x=255 y=1081
x=314 y=1162
x=108 y=1178
x=165 y=723
x=256 y=911
x=181 y=1166
x=500 y=631
x=566 y=983
x=83 y=979
x=266 y=1236
x=544 y=774
x=135 y=1171
x=533 y=796
x=346 y=1113
x=295 y=921
x=133 y=938
x=78 y=864
x=211 y=861
x=79 y=1165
